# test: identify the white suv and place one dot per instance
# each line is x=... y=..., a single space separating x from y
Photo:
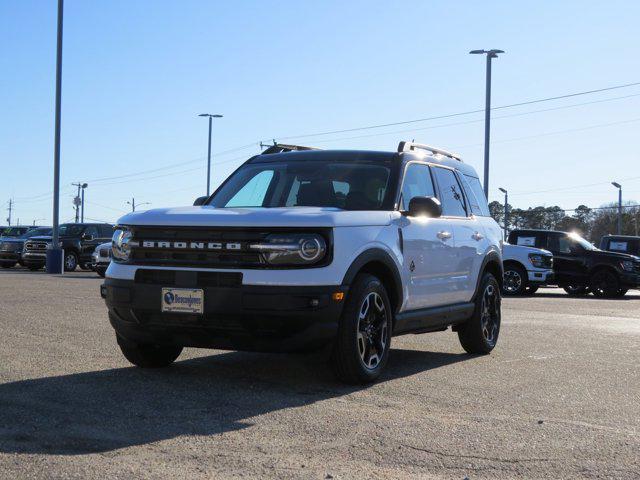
x=302 y=248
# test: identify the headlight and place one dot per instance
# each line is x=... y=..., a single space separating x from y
x=121 y=244
x=627 y=265
x=538 y=260
x=292 y=248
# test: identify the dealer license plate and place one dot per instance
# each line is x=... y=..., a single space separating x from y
x=183 y=300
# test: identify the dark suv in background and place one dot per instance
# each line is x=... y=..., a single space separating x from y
x=579 y=267
x=78 y=241
x=11 y=247
x=621 y=244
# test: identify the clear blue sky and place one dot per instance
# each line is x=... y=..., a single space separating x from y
x=136 y=74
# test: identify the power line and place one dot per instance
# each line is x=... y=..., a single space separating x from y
x=469 y=112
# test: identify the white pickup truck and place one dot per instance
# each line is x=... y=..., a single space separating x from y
x=525 y=269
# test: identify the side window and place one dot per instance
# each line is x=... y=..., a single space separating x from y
x=106 y=231
x=451 y=193
x=560 y=244
x=253 y=192
x=91 y=230
x=476 y=197
x=417 y=183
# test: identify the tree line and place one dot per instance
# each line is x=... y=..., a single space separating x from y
x=591 y=223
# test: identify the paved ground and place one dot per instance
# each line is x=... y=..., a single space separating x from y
x=558 y=398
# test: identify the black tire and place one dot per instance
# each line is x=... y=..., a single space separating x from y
x=531 y=289
x=33 y=268
x=515 y=281
x=148 y=355
x=605 y=284
x=622 y=292
x=479 y=334
x=7 y=265
x=70 y=261
x=575 y=290
x=85 y=266
x=361 y=348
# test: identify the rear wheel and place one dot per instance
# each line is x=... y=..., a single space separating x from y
x=480 y=333
x=515 y=279
x=361 y=349
x=148 y=355
x=531 y=289
x=605 y=284
x=575 y=290
x=85 y=266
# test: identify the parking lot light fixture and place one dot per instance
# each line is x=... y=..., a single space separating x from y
x=211 y=117
x=619 y=187
x=487 y=111
x=506 y=212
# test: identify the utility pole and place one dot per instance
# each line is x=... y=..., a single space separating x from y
x=487 y=112
x=76 y=201
x=506 y=211
x=54 y=253
x=133 y=204
x=84 y=185
x=211 y=117
x=619 y=187
x=10 y=210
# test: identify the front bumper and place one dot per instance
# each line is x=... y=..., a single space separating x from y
x=243 y=317
x=630 y=280
x=540 y=277
x=34 y=259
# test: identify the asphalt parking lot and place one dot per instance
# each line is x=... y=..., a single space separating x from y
x=558 y=398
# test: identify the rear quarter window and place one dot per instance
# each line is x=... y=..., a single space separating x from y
x=475 y=195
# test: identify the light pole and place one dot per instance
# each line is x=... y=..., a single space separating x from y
x=54 y=253
x=487 y=112
x=619 y=187
x=84 y=185
x=211 y=117
x=506 y=212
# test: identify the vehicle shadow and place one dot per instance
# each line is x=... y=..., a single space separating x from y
x=110 y=409
x=628 y=296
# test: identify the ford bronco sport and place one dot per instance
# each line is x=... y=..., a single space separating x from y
x=302 y=248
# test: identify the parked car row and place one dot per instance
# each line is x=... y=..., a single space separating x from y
x=27 y=246
x=571 y=262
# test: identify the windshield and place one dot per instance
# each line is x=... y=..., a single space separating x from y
x=349 y=186
x=582 y=242
x=14 y=231
x=36 y=232
x=70 y=229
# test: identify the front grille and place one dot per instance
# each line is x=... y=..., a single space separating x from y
x=36 y=246
x=231 y=248
x=171 y=278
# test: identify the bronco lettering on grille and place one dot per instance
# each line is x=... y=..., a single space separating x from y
x=192 y=245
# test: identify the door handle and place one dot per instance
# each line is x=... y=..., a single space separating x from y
x=477 y=236
x=444 y=235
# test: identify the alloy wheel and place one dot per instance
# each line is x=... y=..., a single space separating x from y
x=372 y=330
x=512 y=281
x=70 y=262
x=490 y=314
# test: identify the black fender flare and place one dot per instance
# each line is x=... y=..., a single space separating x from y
x=376 y=255
x=491 y=257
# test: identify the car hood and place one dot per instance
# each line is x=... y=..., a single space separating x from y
x=206 y=216
x=508 y=249
x=612 y=255
x=11 y=240
x=47 y=238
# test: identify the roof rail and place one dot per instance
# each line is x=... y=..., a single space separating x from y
x=283 y=147
x=409 y=146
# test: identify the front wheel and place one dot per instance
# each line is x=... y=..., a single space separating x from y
x=361 y=349
x=605 y=284
x=70 y=261
x=515 y=281
x=148 y=355
x=480 y=334
x=530 y=290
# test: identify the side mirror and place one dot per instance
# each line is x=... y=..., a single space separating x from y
x=429 y=206
x=200 y=201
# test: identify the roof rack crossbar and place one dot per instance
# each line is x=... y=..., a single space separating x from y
x=283 y=147
x=409 y=146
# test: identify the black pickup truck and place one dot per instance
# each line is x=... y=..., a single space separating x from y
x=11 y=246
x=579 y=267
x=78 y=241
